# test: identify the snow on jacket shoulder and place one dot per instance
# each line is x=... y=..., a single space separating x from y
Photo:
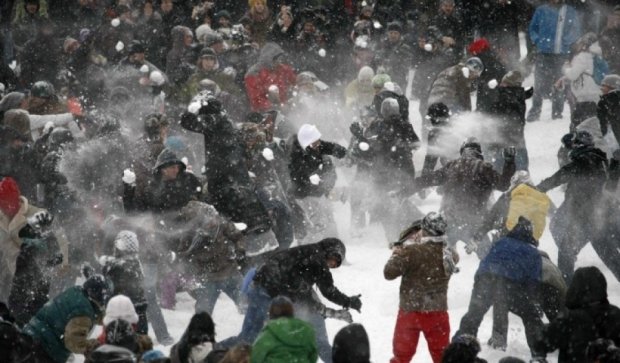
x=579 y=73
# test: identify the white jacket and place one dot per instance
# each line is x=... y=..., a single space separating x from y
x=580 y=74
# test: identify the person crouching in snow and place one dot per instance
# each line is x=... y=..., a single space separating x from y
x=425 y=263
x=124 y=271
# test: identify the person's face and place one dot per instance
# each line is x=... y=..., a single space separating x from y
x=309 y=28
x=148 y=9
x=393 y=36
x=136 y=58
x=170 y=172
x=447 y=7
x=315 y=145
x=218 y=47
x=34 y=102
x=163 y=133
x=188 y=39
x=17 y=144
x=32 y=8
x=605 y=89
x=166 y=6
x=207 y=64
x=286 y=19
x=332 y=262
x=224 y=22
x=260 y=7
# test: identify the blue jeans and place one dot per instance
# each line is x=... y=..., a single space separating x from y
x=153 y=311
x=257 y=313
x=206 y=295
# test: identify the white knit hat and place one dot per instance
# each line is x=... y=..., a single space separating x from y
x=612 y=81
x=307 y=135
x=127 y=241
x=120 y=307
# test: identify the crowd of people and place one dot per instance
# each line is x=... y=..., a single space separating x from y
x=155 y=146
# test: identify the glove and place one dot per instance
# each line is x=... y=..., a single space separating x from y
x=356 y=130
x=129 y=177
x=471 y=246
x=40 y=220
x=55 y=260
x=509 y=154
x=355 y=303
x=342 y=314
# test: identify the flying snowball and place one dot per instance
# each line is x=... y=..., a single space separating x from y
x=465 y=71
x=115 y=22
x=428 y=47
x=144 y=69
x=119 y=46
x=315 y=179
x=492 y=84
x=322 y=53
x=363 y=146
x=194 y=107
x=268 y=154
x=157 y=78
x=241 y=226
x=13 y=65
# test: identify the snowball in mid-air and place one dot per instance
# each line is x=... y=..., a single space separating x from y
x=322 y=52
x=157 y=78
x=428 y=47
x=194 y=107
x=119 y=46
x=315 y=179
x=363 y=146
x=241 y=226
x=492 y=84
x=465 y=71
x=144 y=69
x=268 y=154
x=115 y=22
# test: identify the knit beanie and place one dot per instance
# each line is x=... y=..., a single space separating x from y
x=380 y=79
x=478 y=46
x=612 y=81
x=365 y=74
x=9 y=197
x=127 y=241
x=20 y=121
x=120 y=307
x=307 y=135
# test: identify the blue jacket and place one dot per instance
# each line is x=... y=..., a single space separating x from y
x=544 y=25
x=513 y=259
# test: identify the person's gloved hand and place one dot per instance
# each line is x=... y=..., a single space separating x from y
x=471 y=246
x=55 y=259
x=40 y=220
x=129 y=177
x=509 y=154
x=357 y=130
x=342 y=314
x=355 y=302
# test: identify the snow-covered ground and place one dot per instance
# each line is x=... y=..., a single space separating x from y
x=366 y=256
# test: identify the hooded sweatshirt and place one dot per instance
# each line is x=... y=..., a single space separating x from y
x=285 y=340
x=265 y=73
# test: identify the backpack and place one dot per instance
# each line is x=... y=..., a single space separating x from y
x=600 y=69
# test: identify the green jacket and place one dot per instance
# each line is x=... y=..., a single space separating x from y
x=285 y=340
x=49 y=326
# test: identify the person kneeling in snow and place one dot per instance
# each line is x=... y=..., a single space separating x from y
x=124 y=273
x=425 y=263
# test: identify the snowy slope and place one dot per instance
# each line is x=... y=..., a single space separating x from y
x=363 y=269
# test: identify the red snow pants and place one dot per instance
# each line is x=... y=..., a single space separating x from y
x=436 y=328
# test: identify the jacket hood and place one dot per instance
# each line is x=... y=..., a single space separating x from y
x=351 y=345
x=11 y=101
x=177 y=33
x=333 y=247
x=291 y=332
x=168 y=157
x=20 y=121
x=265 y=59
x=588 y=287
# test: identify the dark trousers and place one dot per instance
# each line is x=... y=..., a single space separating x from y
x=548 y=71
x=490 y=290
x=582 y=112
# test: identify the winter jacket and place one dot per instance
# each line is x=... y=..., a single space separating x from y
x=10 y=243
x=357 y=95
x=305 y=163
x=285 y=340
x=468 y=183
x=265 y=73
x=580 y=74
x=493 y=70
x=351 y=345
x=392 y=141
x=452 y=88
x=294 y=272
x=584 y=177
x=21 y=164
x=509 y=109
x=231 y=191
x=126 y=277
x=397 y=58
x=163 y=195
x=179 y=61
x=225 y=81
x=514 y=259
x=544 y=25
x=589 y=316
x=608 y=112
x=609 y=40
x=424 y=284
x=200 y=329
x=62 y=326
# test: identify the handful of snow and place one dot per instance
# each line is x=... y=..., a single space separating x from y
x=144 y=69
x=315 y=179
x=241 y=226
x=363 y=146
x=377 y=25
x=185 y=161
x=115 y=22
x=194 y=107
x=492 y=84
x=322 y=53
x=465 y=71
x=49 y=126
x=268 y=154
x=428 y=47
x=13 y=65
x=129 y=177
x=157 y=78
x=119 y=46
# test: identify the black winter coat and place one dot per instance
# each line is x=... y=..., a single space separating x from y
x=161 y=196
x=608 y=113
x=509 y=109
x=231 y=190
x=589 y=316
x=127 y=278
x=305 y=163
x=295 y=271
x=493 y=69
